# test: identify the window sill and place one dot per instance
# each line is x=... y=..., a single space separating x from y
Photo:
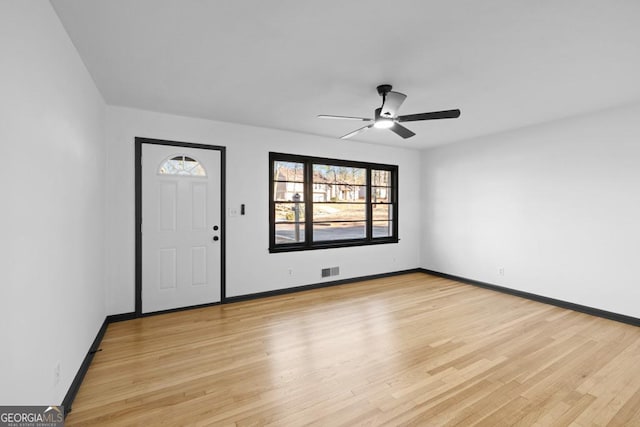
x=330 y=245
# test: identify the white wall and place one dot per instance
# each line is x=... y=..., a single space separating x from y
x=51 y=218
x=250 y=267
x=557 y=206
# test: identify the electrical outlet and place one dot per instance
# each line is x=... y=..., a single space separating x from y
x=56 y=374
x=501 y=271
x=291 y=272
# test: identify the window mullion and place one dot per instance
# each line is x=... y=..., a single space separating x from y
x=369 y=218
x=308 y=203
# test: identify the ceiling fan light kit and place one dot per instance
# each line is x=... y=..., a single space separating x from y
x=382 y=122
x=386 y=117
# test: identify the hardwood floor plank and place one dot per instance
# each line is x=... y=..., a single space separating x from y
x=405 y=350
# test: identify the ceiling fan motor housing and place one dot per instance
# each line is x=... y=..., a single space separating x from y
x=384 y=89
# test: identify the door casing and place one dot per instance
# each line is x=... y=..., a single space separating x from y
x=138 y=217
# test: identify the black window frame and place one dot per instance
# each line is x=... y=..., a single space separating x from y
x=308 y=243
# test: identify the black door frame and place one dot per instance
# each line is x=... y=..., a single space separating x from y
x=138 y=216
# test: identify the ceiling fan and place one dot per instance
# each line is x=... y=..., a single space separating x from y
x=386 y=117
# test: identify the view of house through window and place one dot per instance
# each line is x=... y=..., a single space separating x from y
x=289 y=202
x=339 y=202
x=326 y=202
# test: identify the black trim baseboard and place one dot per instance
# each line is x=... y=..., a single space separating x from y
x=113 y=318
x=539 y=298
x=317 y=286
x=67 y=402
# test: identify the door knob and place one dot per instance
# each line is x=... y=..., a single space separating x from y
x=215 y=238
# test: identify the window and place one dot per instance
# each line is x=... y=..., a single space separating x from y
x=181 y=165
x=322 y=203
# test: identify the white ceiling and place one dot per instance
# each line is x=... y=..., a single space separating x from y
x=505 y=63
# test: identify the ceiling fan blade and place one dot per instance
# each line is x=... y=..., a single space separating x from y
x=328 y=116
x=355 y=132
x=447 y=114
x=401 y=130
x=392 y=102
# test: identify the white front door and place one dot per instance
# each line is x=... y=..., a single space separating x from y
x=181 y=248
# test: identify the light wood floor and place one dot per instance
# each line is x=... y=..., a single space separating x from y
x=405 y=350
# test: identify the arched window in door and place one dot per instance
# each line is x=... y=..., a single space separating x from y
x=181 y=165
